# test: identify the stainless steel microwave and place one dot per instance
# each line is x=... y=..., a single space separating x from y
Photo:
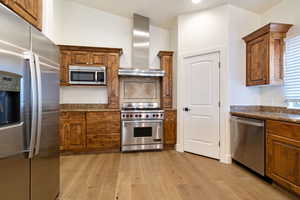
x=87 y=75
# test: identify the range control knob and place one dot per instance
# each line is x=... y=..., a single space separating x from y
x=147 y=116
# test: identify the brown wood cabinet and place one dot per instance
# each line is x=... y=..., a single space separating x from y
x=283 y=154
x=265 y=48
x=166 y=64
x=93 y=56
x=103 y=130
x=170 y=126
x=30 y=10
x=90 y=131
x=72 y=131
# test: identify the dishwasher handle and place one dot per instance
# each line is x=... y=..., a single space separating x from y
x=248 y=122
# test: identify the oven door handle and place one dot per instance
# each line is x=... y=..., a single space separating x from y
x=142 y=121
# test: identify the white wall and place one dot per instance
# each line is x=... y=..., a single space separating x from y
x=198 y=33
x=76 y=24
x=174 y=47
x=241 y=23
x=285 y=12
x=220 y=28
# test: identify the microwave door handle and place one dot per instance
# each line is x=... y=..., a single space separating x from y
x=96 y=77
x=29 y=56
x=39 y=103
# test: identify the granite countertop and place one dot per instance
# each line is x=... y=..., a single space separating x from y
x=88 y=110
x=258 y=114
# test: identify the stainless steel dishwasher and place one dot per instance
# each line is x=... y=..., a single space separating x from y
x=248 y=143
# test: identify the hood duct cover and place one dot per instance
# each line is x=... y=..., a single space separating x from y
x=140 y=50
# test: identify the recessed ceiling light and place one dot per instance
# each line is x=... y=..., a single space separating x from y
x=196 y=1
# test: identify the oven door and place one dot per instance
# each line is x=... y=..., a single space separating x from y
x=142 y=132
x=83 y=77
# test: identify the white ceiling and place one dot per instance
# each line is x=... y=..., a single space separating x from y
x=163 y=12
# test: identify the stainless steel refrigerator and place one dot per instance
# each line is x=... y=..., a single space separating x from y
x=29 y=110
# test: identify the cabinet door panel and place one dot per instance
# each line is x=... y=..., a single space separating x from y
x=166 y=64
x=283 y=162
x=170 y=128
x=98 y=59
x=30 y=10
x=258 y=61
x=76 y=137
x=80 y=58
x=65 y=61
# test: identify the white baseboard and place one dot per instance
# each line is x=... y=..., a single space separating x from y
x=179 y=148
x=226 y=159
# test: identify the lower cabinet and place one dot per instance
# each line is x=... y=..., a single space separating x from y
x=170 y=128
x=103 y=130
x=89 y=131
x=72 y=131
x=283 y=154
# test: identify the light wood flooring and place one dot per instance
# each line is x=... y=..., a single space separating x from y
x=166 y=175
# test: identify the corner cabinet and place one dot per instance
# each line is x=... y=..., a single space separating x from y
x=30 y=10
x=283 y=154
x=264 y=55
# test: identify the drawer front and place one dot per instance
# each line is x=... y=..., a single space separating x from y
x=284 y=129
x=103 y=123
x=64 y=115
x=103 y=142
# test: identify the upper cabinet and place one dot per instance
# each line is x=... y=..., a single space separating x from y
x=166 y=64
x=30 y=10
x=93 y=56
x=265 y=51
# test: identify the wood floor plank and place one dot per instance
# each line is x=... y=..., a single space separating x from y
x=166 y=175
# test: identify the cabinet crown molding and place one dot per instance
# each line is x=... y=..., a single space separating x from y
x=118 y=51
x=269 y=28
x=165 y=53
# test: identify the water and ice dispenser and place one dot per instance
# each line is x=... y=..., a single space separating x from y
x=10 y=84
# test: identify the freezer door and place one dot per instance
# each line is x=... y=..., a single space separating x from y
x=15 y=138
x=45 y=164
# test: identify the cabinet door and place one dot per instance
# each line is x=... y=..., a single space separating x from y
x=98 y=59
x=166 y=64
x=65 y=61
x=76 y=136
x=170 y=128
x=283 y=161
x=258 y=61
x=30 y=10
x=80 y=58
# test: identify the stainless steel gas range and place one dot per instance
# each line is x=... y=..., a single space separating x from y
x=142 y=126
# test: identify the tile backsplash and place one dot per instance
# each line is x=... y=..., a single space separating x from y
x=139 y=89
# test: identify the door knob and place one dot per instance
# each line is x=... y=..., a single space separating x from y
x=186 y=109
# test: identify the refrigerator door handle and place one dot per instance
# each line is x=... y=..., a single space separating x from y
x=40 y=104
x=29 y=56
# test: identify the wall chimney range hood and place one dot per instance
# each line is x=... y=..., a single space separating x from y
x=140 y=50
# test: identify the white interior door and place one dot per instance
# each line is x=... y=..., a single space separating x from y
x=201 y=100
